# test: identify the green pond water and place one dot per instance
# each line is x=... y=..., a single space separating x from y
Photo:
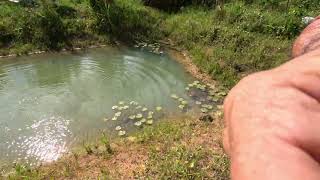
x=51 y=102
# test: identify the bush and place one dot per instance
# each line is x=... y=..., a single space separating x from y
x=127 y=20
x=6 y=34
x=66 y=11
x=51 y=27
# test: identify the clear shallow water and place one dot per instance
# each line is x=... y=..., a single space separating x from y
x=48 y=103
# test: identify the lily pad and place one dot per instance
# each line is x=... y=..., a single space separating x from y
x=215 y=99
x=143 y=120
x=122 y=133
x=120 y=108
x=209 y=98
x=204 y=110
x=138 y=123
x=149 y=122
x=212 y=92
x=150 y=113
x=132 y=117
x=105 y=119
x=132 y=103
x=181 y=106
x=198 y=102
x=174 y=96
x=184 y=102
x=181 y=99
x=138 y=107
x=222 y=93
x=138 y=116
x=204 y=105
x=114 y=119
x=191 y=85
x=196 y=82
x=144 y=109
x=125 y=107
x=210 y=107
x=118 y=128
x=117 y=114
x=187 y=88
x=121 y=103
x=150 y=116
x=158 y=108
x=114 y=107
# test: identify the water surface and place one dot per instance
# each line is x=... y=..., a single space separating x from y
x=50 y=102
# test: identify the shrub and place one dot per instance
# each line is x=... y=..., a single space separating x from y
x=51 y=27
x=126 y=20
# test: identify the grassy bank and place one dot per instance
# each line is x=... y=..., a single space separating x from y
x=182 y=148
x=227 y=42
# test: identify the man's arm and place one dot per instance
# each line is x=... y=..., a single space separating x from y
x=273 y=119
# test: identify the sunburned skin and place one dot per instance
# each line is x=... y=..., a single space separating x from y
x=272 y=118
x=309 y=39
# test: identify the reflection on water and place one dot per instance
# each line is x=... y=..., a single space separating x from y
x=50 y=102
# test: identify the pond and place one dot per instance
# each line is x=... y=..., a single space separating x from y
x=50 y=102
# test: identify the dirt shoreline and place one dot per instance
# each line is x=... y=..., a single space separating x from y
x=183 y=58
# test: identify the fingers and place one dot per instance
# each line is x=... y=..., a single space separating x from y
x=309 y=39
x=302 y=73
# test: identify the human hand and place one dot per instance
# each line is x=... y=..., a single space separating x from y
x=273 y=122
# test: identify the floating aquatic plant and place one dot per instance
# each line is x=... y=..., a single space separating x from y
x=118 y=128
x=149 y=122
x=122 y=133
x=187 y=88
x=215 y=99
x=181 y=106
x=144 y=109
x=114 y=107
x=184 y=102
x=133 y=103
x=198 y=102
x=138 y=107
x=150 y=116
x=125 y=107
x=132 y=117
x=117 y=114
x=180 y=99
x=114 y=119
x=138 y=116
x=158 y=108
x=121 y=103
x=143 y=120
x=174 y=96
x=138 y=123
x=105 y=119
x=222 y=93
x=204 y=110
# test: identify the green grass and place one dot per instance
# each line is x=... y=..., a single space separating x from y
x=227 y=49
x=173 y=148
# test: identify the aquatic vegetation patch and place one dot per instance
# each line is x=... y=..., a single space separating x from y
x=133 y=115
x=203 y=96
